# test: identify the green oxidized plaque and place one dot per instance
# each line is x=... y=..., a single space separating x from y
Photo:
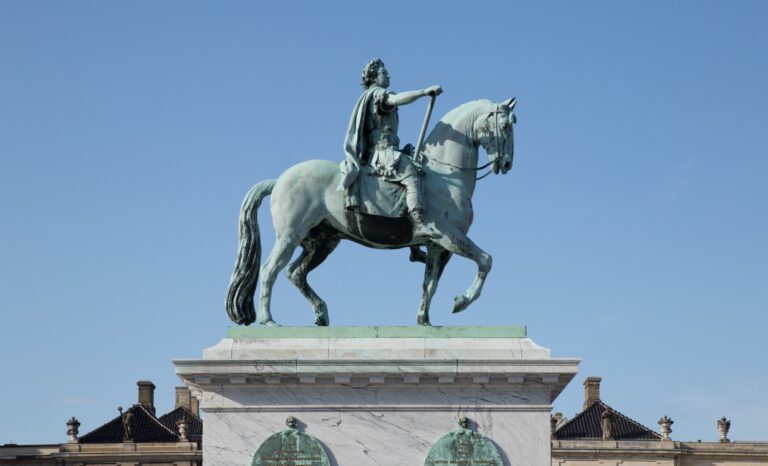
x=464 y=447
x=290 y=448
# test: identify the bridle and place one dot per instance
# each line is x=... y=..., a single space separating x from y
x=500 y=108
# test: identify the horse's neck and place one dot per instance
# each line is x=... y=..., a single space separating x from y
x=451 y=149
x=455 y=153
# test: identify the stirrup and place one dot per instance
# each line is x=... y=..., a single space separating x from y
x=428 y=230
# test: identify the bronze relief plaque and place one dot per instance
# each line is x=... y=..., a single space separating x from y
x=464 y=447
x=290 y=448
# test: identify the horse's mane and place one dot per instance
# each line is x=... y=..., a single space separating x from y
x=457 y=122
x=466 y=108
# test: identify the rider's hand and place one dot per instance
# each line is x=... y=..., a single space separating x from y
x=433 y=90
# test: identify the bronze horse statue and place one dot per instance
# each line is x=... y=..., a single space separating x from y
x=308 y=210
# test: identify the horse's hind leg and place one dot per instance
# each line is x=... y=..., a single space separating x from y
x=417 y=255
x=436 y=259
x=278 y=259
x=315 y=251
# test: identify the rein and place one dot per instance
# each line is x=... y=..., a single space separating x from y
x=464 y=169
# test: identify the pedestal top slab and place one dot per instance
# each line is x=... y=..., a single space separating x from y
x=376 y=344
x=506 y=331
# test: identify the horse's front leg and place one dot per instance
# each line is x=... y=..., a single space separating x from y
x=436 y=259
x=458 y=242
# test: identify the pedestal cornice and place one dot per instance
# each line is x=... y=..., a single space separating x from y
x=362 y=356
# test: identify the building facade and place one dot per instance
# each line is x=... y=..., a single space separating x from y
x=600 y=435
x=136 y=437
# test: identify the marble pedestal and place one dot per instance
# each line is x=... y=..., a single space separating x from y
x=376 y=395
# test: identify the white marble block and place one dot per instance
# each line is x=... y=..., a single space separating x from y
x=376 y=396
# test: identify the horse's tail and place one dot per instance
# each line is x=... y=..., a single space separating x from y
x=242 y=285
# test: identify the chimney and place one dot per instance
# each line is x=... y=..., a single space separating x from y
x=591 y=391
x=185 y=399
x=147 y=395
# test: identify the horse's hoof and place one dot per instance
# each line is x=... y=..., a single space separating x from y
x=422 y=319
x=321 y=315
x=460 y=303
x=270 y=323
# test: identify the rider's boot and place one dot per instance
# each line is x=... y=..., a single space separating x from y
x=422 y=229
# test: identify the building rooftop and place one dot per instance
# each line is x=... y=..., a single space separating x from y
x=588 y=425
x=194 y=423
x=146 y=428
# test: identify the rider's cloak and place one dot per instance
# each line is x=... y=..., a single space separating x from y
x=355 y=146
x=354 y=141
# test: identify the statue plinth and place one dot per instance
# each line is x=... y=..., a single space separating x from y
x=376 y=395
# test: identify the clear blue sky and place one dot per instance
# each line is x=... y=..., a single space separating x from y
x=630 y=233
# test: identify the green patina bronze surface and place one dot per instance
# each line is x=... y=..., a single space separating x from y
x=464 y=447
x=383 y=195
x=512 y=331
x=290 y=448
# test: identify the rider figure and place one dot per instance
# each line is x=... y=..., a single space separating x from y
x=372 y=143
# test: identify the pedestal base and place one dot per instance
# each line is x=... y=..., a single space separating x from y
x=376 y=396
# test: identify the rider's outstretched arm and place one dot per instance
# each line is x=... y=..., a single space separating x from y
x=405 y=98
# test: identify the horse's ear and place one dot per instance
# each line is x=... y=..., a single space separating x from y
x=510 y=103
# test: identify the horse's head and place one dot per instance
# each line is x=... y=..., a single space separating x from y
x=495 y=135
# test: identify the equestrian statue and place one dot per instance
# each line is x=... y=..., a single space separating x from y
x=381 y=196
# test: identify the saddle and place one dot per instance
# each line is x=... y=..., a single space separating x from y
x=377 y=196
x=381 y=215
x=386 y=231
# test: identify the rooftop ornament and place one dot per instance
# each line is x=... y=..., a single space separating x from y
x=606 y=424
x=182 y=425
x=724 y=425
x=128 y=421
x=666 y=428
x=73 y=429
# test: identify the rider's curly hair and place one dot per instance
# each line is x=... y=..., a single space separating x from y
x=371 y=71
